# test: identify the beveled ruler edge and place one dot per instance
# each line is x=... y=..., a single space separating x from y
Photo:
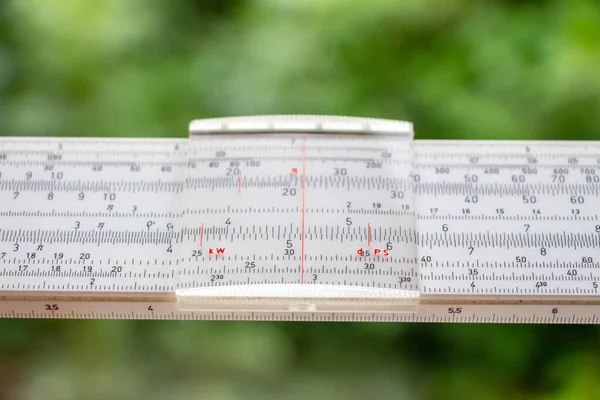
x=444 y=313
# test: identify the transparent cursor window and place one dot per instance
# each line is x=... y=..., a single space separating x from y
x=295 y=213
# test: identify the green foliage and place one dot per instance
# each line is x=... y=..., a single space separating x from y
x=462 y=69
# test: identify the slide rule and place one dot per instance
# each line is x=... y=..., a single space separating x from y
x=309 y=218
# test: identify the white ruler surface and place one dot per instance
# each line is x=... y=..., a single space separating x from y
x=300 y=218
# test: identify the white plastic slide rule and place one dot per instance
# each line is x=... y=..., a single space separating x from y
x=304 y=218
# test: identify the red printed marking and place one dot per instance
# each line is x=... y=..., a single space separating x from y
x=201 y=234
x=240 y=182
x=294 y=170
x=303 y=200
x=369 y=234
x=374 y=252
x=219 y=250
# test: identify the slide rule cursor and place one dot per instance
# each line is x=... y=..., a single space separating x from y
x=299 y=213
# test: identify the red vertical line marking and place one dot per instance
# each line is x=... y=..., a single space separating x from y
x=303 y=201
x=240 y=182
x=201 y=234
x=369 y=234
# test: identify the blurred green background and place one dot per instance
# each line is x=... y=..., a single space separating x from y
x=144 y=68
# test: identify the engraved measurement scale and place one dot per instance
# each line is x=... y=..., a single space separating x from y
x=300 y=217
